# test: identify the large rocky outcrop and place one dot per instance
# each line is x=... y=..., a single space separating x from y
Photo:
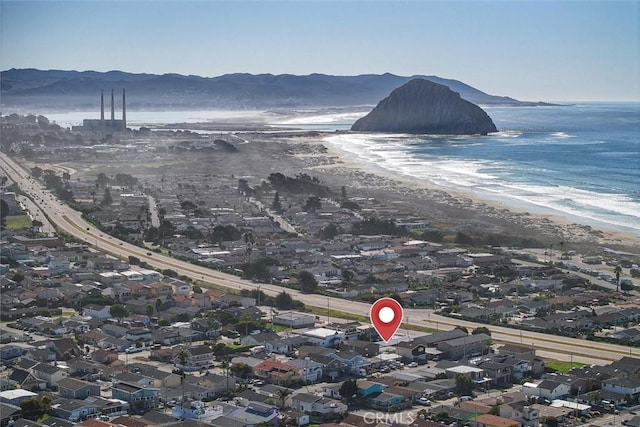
x=421 y=106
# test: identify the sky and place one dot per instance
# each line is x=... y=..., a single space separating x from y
x=538 y=50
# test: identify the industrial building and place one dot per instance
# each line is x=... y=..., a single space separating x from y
x=106 y=126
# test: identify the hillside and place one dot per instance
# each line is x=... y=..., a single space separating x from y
x=62 y=90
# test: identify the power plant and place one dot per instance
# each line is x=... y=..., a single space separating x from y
x=106 y=126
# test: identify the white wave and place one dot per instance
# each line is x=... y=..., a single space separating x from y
x=561 y=135
x=490 y=178
x=320 y=119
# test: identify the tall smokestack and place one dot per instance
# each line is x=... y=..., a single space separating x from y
x=113 y=110
x=102 y=105
x=124 y=112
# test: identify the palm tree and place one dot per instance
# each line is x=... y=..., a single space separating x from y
x=617 y=271
x=282 y=394
x=225 y=365
x=183 y=356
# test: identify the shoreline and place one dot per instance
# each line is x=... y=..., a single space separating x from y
x=342 y=165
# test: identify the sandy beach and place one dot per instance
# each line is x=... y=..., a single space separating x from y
x=446 y=208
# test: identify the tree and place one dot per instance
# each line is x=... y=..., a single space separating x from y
x=464 y=385
x=330 y=231
x=308 y=282
x=349 y=390
x=283 y=301
x=36 y=172
x=240 y=369
x=35 y=407
x=313 y=203
x=150 y=310
x=276 y=205
x=4 y=211
x=225 y=366
x=119 y=311
x=347 y=276
x=617 y=271
x=106 y=197
x=481 y=330
x=282 y=394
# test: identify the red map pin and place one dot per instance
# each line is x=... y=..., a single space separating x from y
x=386 y=316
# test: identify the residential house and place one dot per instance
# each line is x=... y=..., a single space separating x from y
x=17 y=396
x=364 y=348
x=259 y=339
x=212 y=384
x=253 y=414
x=317 y=407
x=11 y=351
x=369 y=388
x=525 y=414
x=101 y=312
x=138 y=334
x=116 y=331
x=324 y=337
x=412 y=351
x=294 y=319
x=138 y=397
x=26 y=380
x=488 y=420
x=386 y=401
x=210 y=328
x=277 y=372
x=285 y=345
x=198 y=357
x=432 y=340
x=466 y=346
x=72 y=388
x=50 y=373
x=161 y=379
x=64 y=348
x=310 y=371
x=500 y=373
x=623 y=386
x=549 y=389
x=104 y=357
x=74 y=410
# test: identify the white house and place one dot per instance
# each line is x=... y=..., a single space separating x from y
x=622 y=386
x=547 y=389
x=311 y=371
x=97 y=311
x=324 y=337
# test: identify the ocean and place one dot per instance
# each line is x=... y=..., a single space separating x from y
x=580 y=162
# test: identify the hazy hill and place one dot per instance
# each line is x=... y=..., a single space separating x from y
x=57 y=89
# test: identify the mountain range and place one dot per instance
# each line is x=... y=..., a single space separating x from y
x=80 y=90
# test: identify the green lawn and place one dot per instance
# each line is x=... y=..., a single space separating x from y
x=18 y=222
x=562 y=366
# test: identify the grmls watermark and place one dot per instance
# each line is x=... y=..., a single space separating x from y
x=374 y=418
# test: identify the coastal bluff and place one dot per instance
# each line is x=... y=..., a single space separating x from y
x=423 y=107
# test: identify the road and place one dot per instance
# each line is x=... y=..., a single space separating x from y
x=71 y=222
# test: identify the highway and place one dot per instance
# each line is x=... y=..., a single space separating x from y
x=71 y=222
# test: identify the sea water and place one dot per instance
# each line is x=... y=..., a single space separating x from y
x=581 y=161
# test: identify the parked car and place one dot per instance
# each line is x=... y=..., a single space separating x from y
x=424 y=401
x=413 y=365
